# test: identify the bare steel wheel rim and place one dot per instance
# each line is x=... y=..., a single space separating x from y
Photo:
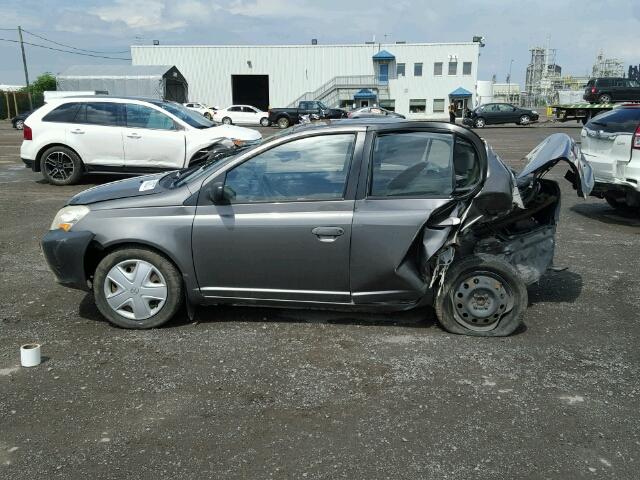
x=480 y=300
x=59 y=166
x=135 y=289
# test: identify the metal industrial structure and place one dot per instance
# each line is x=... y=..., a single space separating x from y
x=415 y=79
x=607 y=67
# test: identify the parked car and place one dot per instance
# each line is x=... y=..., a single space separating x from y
x=608 y=90
x=18 y=121
x=202 y=109
x=372 y=112
x=611 y=145
x=285 y=117
x=70 y=136
x=499 y=113
x=375 y=214
x=242 y=114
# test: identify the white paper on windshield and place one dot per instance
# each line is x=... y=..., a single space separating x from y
x=148 y=185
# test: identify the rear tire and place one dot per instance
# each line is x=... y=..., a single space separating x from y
x=604 y=98
x=208 y=116
x=163 y=273
x=619 y=203
x=283 y=122
x=264 y=122
x=482 y=296
x=479 y=122
x=227 y=121
x=61 y=166
x=19 y=125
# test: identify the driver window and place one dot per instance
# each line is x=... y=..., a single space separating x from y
x=412 y=164
x=312 y=168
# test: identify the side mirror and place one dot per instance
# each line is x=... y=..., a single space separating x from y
x=221 y=194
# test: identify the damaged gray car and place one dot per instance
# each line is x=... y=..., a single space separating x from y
x=369 y=215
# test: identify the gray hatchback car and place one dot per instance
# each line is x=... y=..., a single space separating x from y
x=371 y=215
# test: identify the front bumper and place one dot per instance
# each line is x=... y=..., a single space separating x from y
x=65 y=252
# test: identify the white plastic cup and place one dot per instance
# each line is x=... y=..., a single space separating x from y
x=30 y=355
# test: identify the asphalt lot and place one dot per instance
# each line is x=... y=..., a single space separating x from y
x=256 y=393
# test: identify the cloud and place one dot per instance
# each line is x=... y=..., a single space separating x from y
x=141 y=15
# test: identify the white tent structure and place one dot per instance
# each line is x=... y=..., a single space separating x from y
x=155 y=81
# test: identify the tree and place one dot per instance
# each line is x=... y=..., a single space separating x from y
x=44 y=82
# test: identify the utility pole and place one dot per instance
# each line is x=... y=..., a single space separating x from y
x=24 y=63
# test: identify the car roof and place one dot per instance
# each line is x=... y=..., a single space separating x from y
x=112 y=97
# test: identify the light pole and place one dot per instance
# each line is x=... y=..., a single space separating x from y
x=509 y=81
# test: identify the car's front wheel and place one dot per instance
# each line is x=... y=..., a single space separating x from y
x=525 y=120
x=618 y=202
x=483 y=296
x=264 y=122
x=479 y=122
x=227 y=121
x=61 y=166
x=208 y=116
x=137 y=288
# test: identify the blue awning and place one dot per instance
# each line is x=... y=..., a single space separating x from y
x=383 y=55
x=365 y=93
x=460 y=92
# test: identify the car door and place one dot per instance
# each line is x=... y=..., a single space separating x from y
x=96 y=133
x=251 y=115
x=632 y=92
x=411 y=174
x=507 y=113
x=234 y=113
x=152 y=139
x=286 y=234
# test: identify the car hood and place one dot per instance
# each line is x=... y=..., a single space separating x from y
x=127 y=188
x=553 y=149
x=229 y=131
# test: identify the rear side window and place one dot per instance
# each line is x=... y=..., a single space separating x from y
x=64 y=113
x=604 y=82
x=100 y=113
x=466 y=164
x=412 y=164
x=622 y=120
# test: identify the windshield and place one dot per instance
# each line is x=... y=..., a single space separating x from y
x=323 y=106
x=188 y=116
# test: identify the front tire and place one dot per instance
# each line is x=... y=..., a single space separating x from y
x=525 y=120
x=227 y=121
x=482 y=296
x=479 y=122
x=61 y=166
x=208 y=116
x=137 y=288
x=264 y=122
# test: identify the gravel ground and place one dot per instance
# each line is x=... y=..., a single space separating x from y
x=254 y=393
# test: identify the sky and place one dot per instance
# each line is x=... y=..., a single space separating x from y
x=578 y=30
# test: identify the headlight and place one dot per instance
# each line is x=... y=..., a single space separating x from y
x=68 y=216
x=534 y=112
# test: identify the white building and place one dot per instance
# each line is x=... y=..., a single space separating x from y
x=416 y=79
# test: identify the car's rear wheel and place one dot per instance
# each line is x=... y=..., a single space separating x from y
x=604 y=98
x=227 y=121
x=618 y=202
x=482 y=296
x=525 y=120
x=479 y=122
x=137 y=288
x=207 y=115
x=264 y=122
x=283 y=122
x=61 y=166
x=19 y=124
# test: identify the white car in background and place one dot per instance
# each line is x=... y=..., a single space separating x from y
x=242 y=114
x=611 y=145
x=65 y=138
x=201 y=108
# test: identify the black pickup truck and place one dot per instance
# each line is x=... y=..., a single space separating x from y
x=284 y=117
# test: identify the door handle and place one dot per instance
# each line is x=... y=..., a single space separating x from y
x=327 y=234
x=133 y=135
x=77 y=131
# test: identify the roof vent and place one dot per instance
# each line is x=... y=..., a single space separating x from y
x=314 y=41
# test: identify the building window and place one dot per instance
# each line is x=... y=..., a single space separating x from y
x=466 y=68
x=400 y=70
x=388 y=105
x=438 y=105
x=417 y=69
x=453 y=67
x=417 y=105
x=437 y=68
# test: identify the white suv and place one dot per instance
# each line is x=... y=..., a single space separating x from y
x=201 y=108
x=611 y=145
x=70 y=136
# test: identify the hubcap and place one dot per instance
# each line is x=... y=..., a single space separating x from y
x=19 y=125
x=59 y=165
x=135 y=289
x=226 y=121
x=480 y=123
x=481 y=300
x=524 y=120
x=283 y=123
